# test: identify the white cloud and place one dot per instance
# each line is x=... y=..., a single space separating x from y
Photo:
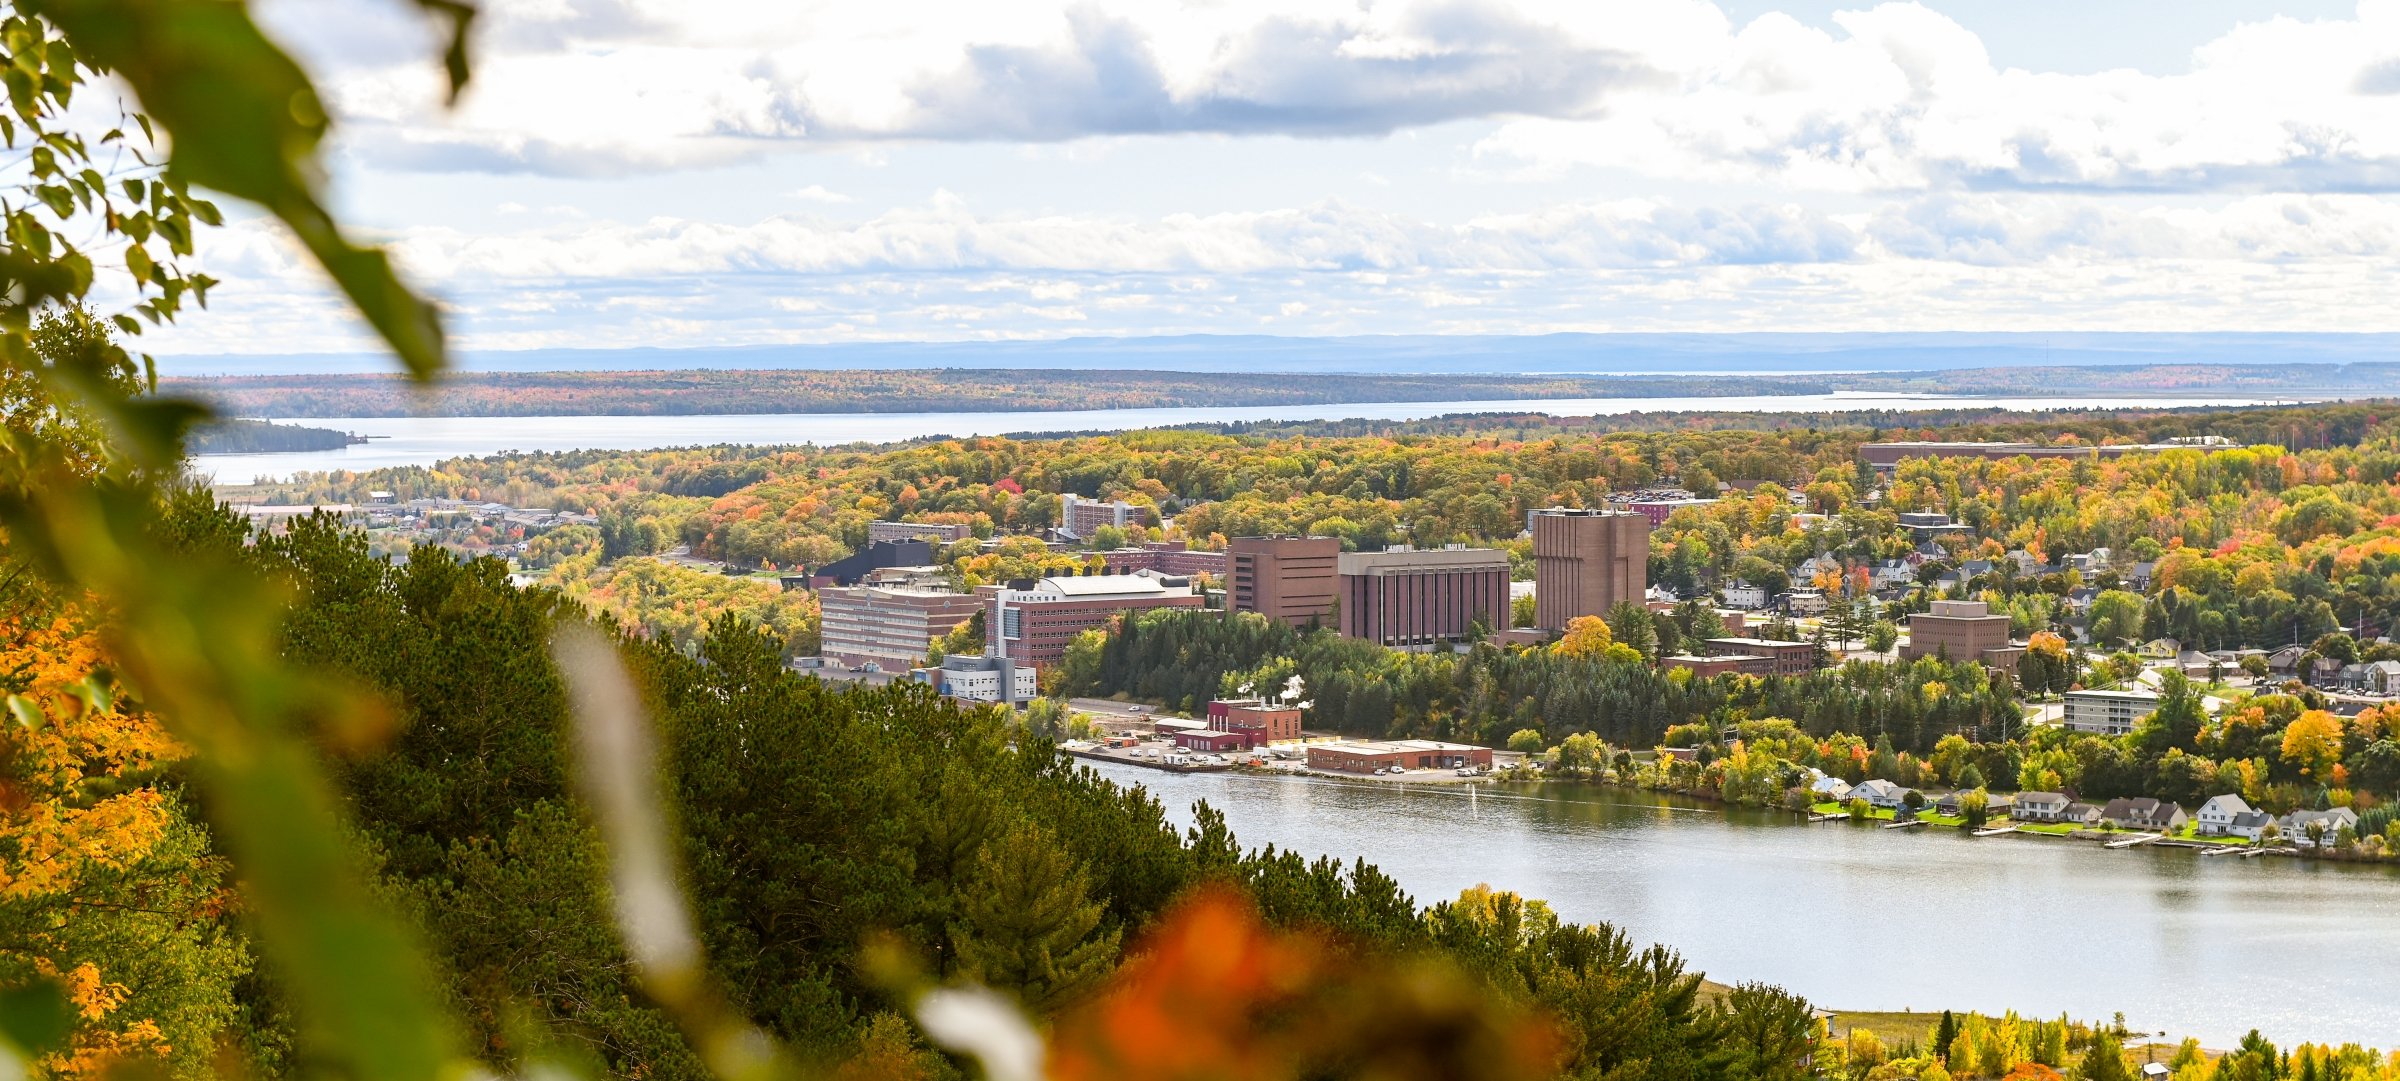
x=1904 y=98
x=1978 y=261
x=1897 y=97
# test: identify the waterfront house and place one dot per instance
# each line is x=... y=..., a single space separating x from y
x=1994 y=804
x=2250 y=825
x=2215 y=818
x=2142 y=813
x=2040 y=807
x=2081 y=814
x=1880 y=793
x=1829 y=789
x=2295 y=825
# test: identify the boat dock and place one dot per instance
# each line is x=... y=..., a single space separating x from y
x=2129 y=842
x=1994 y=831
x=1904 y=825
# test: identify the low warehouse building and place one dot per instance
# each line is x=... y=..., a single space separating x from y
x=1216 y=742
x=1368 y=756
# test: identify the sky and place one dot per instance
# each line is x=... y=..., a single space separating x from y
x=706 y=172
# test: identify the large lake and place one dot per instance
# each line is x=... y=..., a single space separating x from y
x=1868 y=919
x=401 y=441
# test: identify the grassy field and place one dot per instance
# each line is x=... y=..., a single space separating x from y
x=1891 y=1028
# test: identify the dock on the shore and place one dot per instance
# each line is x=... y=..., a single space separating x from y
x=1994 y=831
x=1904 y=825
x=2137 y=839
x=1837 y=816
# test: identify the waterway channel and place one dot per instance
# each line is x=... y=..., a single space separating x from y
x=406 y=441
x=1868 y=919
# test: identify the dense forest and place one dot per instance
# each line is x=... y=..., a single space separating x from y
x=237 y=435
x=700 y=391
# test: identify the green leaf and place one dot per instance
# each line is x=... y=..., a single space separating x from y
x=454 y=55
x=245 y=120
x=26 y=714
x=36 y=1018
x=139 y=264
x=60 y=201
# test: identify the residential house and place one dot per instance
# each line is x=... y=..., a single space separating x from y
x=2080 y=814
x=2250 y=824
x=2295 y=825
x=2143 y=813
x=2040 y=807
x=1743 y=595
x=1805 y=601
x=2230 y=816
x=2383 y=677
x=1880 y=793
x=2139 y=576
x=1829 y=790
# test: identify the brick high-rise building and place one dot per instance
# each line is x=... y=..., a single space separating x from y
x=1294 y=579
x=1410 y=599
x=1585 y=561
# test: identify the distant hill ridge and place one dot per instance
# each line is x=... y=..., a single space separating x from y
x=1608 y=353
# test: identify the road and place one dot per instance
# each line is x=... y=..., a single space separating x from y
x=1108 y=708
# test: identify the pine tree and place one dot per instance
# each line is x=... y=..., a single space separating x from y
x=1027 y=923
x=1943 y=1035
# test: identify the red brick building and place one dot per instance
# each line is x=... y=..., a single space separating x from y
x=1214 y=742
x=1703 y=667
x=1294 y=579
x=1166 y=557
x=1785 y=658
x=1272 y=724
x=1369 y=756
x=1031 y=622
x=1586 y=562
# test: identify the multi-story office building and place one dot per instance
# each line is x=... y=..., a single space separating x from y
x=1031 y=621
x=1585 y=561
x=1174 y=558
x=931 y=532
x=1294 y=579
x=1959 y=631
x=1083 y=517
x=1785 y=658
x=890 y=626
x=977 y=679
x=1419 y=599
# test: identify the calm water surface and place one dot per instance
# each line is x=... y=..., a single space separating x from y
x=401 y=441
x=1868 y=919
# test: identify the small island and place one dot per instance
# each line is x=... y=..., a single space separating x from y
x=244 y=436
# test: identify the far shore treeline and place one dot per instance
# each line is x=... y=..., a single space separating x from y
x=731 y=391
